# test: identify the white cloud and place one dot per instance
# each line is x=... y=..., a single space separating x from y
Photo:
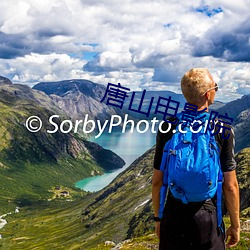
x=16 y=19
x=34 y=68
x=141 y=44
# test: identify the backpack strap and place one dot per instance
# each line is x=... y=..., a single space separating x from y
x=219 y=187
x=164 y=188
x=163 y=194
x=219 y=200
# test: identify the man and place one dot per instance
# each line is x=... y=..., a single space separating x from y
x=194 y=225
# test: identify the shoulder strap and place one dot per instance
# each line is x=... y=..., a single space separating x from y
x=164 y=188
x=219 y=199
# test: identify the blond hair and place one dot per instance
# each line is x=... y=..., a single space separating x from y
x=195 y=83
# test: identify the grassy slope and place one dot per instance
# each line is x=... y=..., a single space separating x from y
x=27 y=170
x=32 y=184
x=104 y=217
x=57 y=226
x=48 y=226
x=243 y=175
x=150 y=242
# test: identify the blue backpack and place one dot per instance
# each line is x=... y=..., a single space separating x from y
x=191 y=167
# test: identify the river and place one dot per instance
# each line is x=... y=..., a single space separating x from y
x=128 y=146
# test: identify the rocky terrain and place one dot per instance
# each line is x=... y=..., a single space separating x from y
x=234 y=108
x=242 y=130
x=243 y=175
x=239 y=110
x=78 y=98
x=4 y=80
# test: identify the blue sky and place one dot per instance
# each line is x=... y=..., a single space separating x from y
x=142 y=44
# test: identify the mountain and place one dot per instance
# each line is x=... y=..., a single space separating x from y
x=125 y=206
x=176 y=100
x=106 y=215
x=31 y=164
x=216 y=105
x=4 y=80
x=121 y=211
x=122 y=204
x=78 y=98
x=239 y=111
x=242 y=130
x=34 y=165
x=234 y=108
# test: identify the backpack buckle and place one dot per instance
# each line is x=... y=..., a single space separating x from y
x=172 y=152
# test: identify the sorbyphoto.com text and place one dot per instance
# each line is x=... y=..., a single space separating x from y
x=87 y=126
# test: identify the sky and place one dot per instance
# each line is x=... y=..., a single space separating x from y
x=141 y=44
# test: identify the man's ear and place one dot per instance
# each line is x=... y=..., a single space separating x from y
x=207 y=95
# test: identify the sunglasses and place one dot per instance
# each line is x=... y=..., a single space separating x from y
x=216 y=87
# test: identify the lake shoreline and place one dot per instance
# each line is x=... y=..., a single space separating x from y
x=129 y=146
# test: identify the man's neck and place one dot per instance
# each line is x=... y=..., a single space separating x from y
x=205 y=106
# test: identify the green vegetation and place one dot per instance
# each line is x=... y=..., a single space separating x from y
x=84 y=222
x=244 y=235
x=32 y=163
x=150 y=242
x=243 y=175
x=32 y=184
x=49 y=225
x=57 y=225
x=113 y=214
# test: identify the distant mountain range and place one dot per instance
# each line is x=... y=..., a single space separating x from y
x=80 y=97
x=234 y=108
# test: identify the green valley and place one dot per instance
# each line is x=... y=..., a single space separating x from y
x=32 y=163
x=120 y=213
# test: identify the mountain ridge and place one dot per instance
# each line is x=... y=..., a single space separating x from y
x=239 y=111
x=235 y=107
x=68 y=95
x=78 y=97
x=4 y=80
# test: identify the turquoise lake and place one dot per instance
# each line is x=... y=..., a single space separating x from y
x=129 y=146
